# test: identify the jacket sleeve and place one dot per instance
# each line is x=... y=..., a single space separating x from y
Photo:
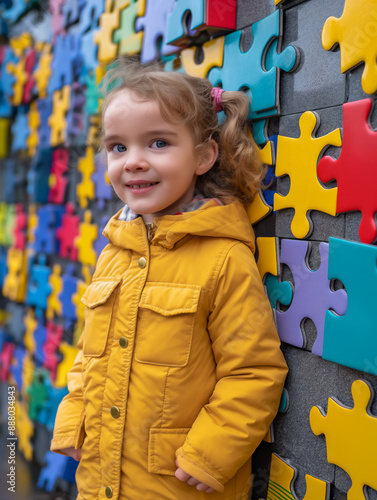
x=69 y=427
x=251 y=371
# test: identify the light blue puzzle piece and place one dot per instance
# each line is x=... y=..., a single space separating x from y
x=153 y=25
x=351 y=339
x=20 y=131
x=278 y=291
x=54 y=469
x=175 y=29
x=246 y=69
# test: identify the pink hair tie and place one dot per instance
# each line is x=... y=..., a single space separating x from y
x=217 y=101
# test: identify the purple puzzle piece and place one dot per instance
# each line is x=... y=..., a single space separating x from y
x=40 y=336
x=154 y=26
x=312 y=296
x=103 y=191
x=17 y=364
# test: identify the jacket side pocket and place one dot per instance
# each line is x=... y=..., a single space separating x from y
x=163 y=444
x=99 y=299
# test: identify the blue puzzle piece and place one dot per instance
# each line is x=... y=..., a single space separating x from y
x=40 y=336
x=103 y=191
x=91 y=12
x=101 y=241
x=44 y=131
x=278 y=291
x=15 y=325
x=154 y=26
x=20 y=130
x=50 y=407
x=13 y=178
x=54 y=469
x=69 y=473
x=38 y=175
x=71 y=11
x=38 y=287
x=312 y=297
x=89 y=51
x=185 y=19
x=75 y=113
x=3 y=266
x=65 y=297
x=13 y=14
x=350 y=339
x=67 y=62
x=8 y=79
x=16 y=367
x=245 y=69
x=49 y=219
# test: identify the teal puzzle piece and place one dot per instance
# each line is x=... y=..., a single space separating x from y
x=247 y=69
x=278 y=291
x=351 y=339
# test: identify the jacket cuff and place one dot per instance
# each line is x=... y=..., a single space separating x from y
x=196 y=471
x=64 y=440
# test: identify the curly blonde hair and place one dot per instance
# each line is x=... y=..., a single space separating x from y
x=238 y=171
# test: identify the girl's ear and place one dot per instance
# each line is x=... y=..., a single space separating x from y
x=207 y=157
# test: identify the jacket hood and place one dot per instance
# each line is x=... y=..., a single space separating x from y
x=217 y=221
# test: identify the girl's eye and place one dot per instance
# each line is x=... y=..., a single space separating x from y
x=159 y=143
x=118 y=148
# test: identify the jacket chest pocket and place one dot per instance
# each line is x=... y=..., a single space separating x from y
x=165 y=323
x=99 y=299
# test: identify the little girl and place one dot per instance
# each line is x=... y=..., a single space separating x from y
x=179 y=372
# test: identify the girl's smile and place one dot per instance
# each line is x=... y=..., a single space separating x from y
x=152 y=163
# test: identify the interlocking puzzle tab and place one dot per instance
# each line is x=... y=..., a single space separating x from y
x=189 y=18
x=298 y=159
x=351 y=339
x=282 y=478
x=247 y=69
x=355 y=32
x=103 y=37
x=351 y=437
x=312 y=296
x=357 y=155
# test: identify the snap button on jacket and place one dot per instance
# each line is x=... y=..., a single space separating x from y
x=179 y=359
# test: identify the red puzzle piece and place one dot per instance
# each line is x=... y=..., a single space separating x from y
x=30 y=60
x=6 y=355
x=20 y=227
x=67 y=233
x=356 y=168
x=51 y=346
x=57 y=181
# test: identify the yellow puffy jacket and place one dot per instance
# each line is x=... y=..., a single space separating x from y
x=179 y=359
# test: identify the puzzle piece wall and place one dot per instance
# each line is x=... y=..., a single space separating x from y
x=309 y=67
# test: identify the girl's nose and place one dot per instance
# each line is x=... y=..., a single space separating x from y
x=135 y=160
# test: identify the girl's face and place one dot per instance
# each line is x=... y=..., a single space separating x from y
x=152 y=164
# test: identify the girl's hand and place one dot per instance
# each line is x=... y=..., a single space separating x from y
x=72 y=452
x=183 y=476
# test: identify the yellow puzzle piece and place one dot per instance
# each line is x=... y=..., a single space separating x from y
x=57 y=120
x=259 y=208
x=32 y=223
x=34 y=122
x=20 y=75
x=30 y=327
x=69 y=355
x=355 y=31
x=298 y=158
x=15 y=282
x=76 y=300
x=88 y=233
x=282 y=477
x=213 y=56
x=24 y=430
x=267 y=256
x=54 y=306
x=4 y=137
x=351 y=437
x=43 y=72
x=85 y=190
x=103 y=37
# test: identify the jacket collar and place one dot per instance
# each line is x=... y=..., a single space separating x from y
x=213 y=220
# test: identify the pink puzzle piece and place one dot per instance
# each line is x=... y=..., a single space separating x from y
x=356 y=168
